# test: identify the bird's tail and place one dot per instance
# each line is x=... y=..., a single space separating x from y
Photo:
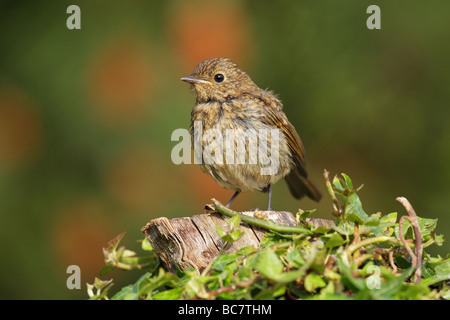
x=301 y=186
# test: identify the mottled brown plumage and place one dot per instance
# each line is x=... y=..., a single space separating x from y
x=226 y=98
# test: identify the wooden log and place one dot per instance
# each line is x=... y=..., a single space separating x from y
x=193 y=242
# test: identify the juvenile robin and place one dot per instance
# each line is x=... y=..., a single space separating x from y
x=227 y=100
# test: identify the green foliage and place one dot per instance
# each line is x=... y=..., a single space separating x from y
x=362 y=257
x=234 y=234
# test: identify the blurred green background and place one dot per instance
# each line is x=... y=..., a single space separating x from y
x=86 y=117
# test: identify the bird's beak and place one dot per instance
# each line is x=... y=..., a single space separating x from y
x=194 y=80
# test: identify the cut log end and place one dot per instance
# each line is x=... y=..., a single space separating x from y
x=193 y=242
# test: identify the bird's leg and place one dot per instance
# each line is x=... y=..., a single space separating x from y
x=232 y=198
x=269 y=190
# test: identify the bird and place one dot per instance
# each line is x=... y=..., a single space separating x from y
x=227 y=100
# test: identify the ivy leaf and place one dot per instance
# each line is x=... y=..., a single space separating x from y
x=101 y=289
x=295 y=259
x=234 y=222
x=171 y=294
x=335 y=240
x=345 y=228
x=317 y=266
x=394 y=285
x=348 y=182
x=269 y=265
x=350 y=281
x=130 y=292
x=231 y=236
x=314 y=281
x=337 y=184
x=303 y=214
x=234 y=234
x=385 y=226
x=354 y=211
x=442 y=274
x=146 y=246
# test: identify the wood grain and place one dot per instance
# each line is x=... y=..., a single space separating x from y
x=193 y=242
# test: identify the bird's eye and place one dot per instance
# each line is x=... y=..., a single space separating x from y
x=219 y=77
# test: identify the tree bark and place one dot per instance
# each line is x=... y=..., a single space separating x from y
x=193 y=242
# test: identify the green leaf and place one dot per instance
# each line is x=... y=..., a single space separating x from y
x=135 y=261
x=234 y=234
x=348 y=181
x=337 y=184
x=443 y=268
x=319 y=260
x=439 y=239
x=335 y=240
x=426 y=226
x=303 y=214
x=319 y=265
x=402 y=262
x=445 y=293
x=271 y=292
x=220 y=231
x=427 y=270
x=101 y=289
x=354 y=211
x=245 y=250
x=194 y=286
x=114 y=243
x=314 y=281
x=231 y=236
x=289 y=276
x=269 y=265
x=394 y=285
x=412 y=292
x=435 y=279
x=442 y=274
x=328 y=293
x=130 y=292
x=345 y=228
x=171 y=294
x=222 y=260
x=148 y=284
x=320 y=229
x=146 y=246
x=385 y=227
x=295 y=259
x=348 y=279
x=234 y=222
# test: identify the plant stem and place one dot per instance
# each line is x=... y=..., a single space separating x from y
x=412 y=218
x=259 y=222
x=129 y=267
x=368 y=241
x=336 y=205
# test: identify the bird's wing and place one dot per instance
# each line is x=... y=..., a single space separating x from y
x=297 y=180
x=278 y=119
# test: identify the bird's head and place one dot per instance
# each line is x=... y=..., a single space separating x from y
x=218 y=80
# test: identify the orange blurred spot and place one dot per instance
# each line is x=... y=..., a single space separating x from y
x=137 y=180
x=81 y=230
x=203 y=29
x=20 y=128
x=122 y=82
